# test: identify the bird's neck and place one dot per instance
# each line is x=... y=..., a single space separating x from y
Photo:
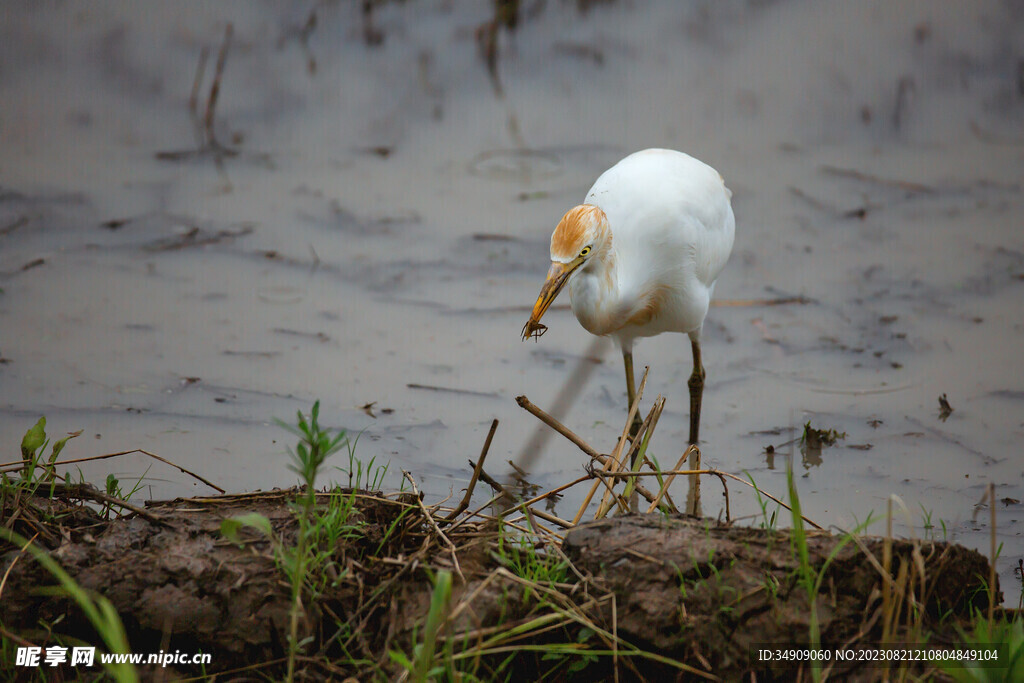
x=595 y=294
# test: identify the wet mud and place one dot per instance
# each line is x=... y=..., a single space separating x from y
x=700 y=593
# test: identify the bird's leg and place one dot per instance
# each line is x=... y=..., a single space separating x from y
x=627 y=359
x=696 y=384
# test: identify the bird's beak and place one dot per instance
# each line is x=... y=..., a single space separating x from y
x=558 y=275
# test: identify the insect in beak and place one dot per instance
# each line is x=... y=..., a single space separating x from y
x=558 y=275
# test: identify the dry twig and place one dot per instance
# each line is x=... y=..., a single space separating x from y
x=433 y=524
x=476 y=475
x=20 y=464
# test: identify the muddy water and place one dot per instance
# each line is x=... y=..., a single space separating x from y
x=383 y=228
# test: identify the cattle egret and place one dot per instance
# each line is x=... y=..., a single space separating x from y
x=641 y=254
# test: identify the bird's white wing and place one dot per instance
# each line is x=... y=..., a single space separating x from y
x=672 y=226
x=663 y=203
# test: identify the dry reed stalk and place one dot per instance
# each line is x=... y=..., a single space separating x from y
x=614 y=458
x=497 y=486
x=609 y=495
x=20 y=464
x=766 y=495
x=885 y=577
x=646 y=493
x=549 y=534
x=671 y=478
x=571 y=390
x=554 y=491
x=477 y=512
x=468 y=599
x=440 y=504
x=476 y=474
x=433 y=524
x=634 y=475
x=565 y=558
x=90 y=492
x=553 y=422
x=642 y=440
x=571 y=436
x=564 y=606
x=10 y=567
x=534 y=524
x=716 y=473
x=645 y=431
x=920 y=579
x=550 y=421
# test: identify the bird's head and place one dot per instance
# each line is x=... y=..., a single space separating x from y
x=580 y=236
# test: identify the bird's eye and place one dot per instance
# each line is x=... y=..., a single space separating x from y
x=584 y=252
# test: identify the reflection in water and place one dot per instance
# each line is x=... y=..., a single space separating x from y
x=810 y=455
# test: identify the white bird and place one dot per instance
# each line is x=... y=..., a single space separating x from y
x=641 y=255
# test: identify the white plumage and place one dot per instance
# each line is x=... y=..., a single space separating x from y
x=641 y=255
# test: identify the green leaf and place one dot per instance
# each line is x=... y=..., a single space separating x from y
x=34 y=440
x=425 y=653
x=400 y=659
x=59 y=444
x=584 y=635
x=230 y=527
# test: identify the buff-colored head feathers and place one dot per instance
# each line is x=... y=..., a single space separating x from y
x=580 y=226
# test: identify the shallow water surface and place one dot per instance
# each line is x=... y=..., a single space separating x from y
x=380 y=235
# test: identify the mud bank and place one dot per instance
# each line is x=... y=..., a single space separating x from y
x=656 y=597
